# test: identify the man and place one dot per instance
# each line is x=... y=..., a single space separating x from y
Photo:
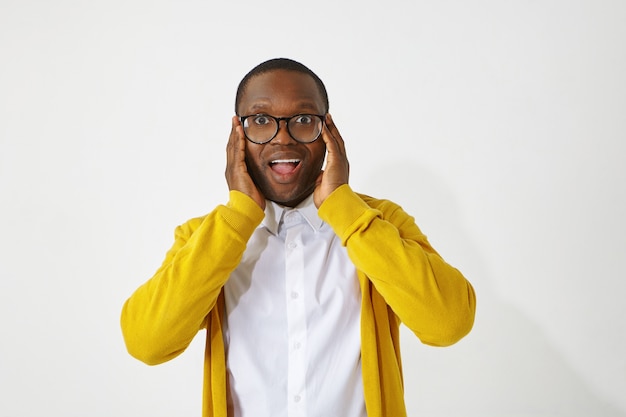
x=300 y=283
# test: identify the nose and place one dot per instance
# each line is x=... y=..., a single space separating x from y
x=283 y=137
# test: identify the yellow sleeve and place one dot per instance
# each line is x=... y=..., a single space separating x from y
x=429 y=296
x=163 y=315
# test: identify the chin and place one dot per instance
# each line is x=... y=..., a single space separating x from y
x=290 y=199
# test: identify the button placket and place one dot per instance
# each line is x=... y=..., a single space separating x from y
x=296 y=317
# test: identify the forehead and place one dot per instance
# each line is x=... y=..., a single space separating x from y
x=281 y=93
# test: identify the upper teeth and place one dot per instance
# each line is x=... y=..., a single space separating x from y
x=286 y=161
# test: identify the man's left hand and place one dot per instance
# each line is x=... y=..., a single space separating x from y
x=337 y=166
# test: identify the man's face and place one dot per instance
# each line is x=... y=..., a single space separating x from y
x=284 y=170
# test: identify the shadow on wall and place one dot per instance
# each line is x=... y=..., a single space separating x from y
x=506 y=367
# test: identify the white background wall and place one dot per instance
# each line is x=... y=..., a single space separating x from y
x=500 y=125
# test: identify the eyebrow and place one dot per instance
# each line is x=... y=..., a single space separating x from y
x=306 y=106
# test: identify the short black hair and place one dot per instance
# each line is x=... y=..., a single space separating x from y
x=280 y=64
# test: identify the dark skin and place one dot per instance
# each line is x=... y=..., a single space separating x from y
x=251 y=168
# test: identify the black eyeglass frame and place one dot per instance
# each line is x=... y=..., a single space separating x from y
x=322 y=118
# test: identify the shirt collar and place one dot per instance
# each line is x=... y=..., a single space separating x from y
x=274 y=213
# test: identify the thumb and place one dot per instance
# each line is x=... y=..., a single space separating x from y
x=318 y=180
x=317 y=194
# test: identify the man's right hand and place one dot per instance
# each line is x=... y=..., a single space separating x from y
x=237 y=176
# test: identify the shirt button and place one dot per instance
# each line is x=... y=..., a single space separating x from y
x=291 y=245
x=297 y=398
x=294 y=295
x=297 y=345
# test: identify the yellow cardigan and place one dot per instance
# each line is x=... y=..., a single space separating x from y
x=402 y=279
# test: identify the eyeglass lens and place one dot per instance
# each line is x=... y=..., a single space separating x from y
x=262 y=128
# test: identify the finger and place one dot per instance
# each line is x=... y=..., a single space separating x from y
x=235 y=152
x=334 y=132
x=236 y=141
x=329 y=138
x=337 y=160
x=234 y=131
x=232 y=137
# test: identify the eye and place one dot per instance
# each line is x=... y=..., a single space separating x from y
x=261 y=120
x=303 y=119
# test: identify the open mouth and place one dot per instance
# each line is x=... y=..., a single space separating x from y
x=284 y=166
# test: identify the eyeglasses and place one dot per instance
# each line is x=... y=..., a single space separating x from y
x=262 y=128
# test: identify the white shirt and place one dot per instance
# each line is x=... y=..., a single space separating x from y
x=292 y=322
